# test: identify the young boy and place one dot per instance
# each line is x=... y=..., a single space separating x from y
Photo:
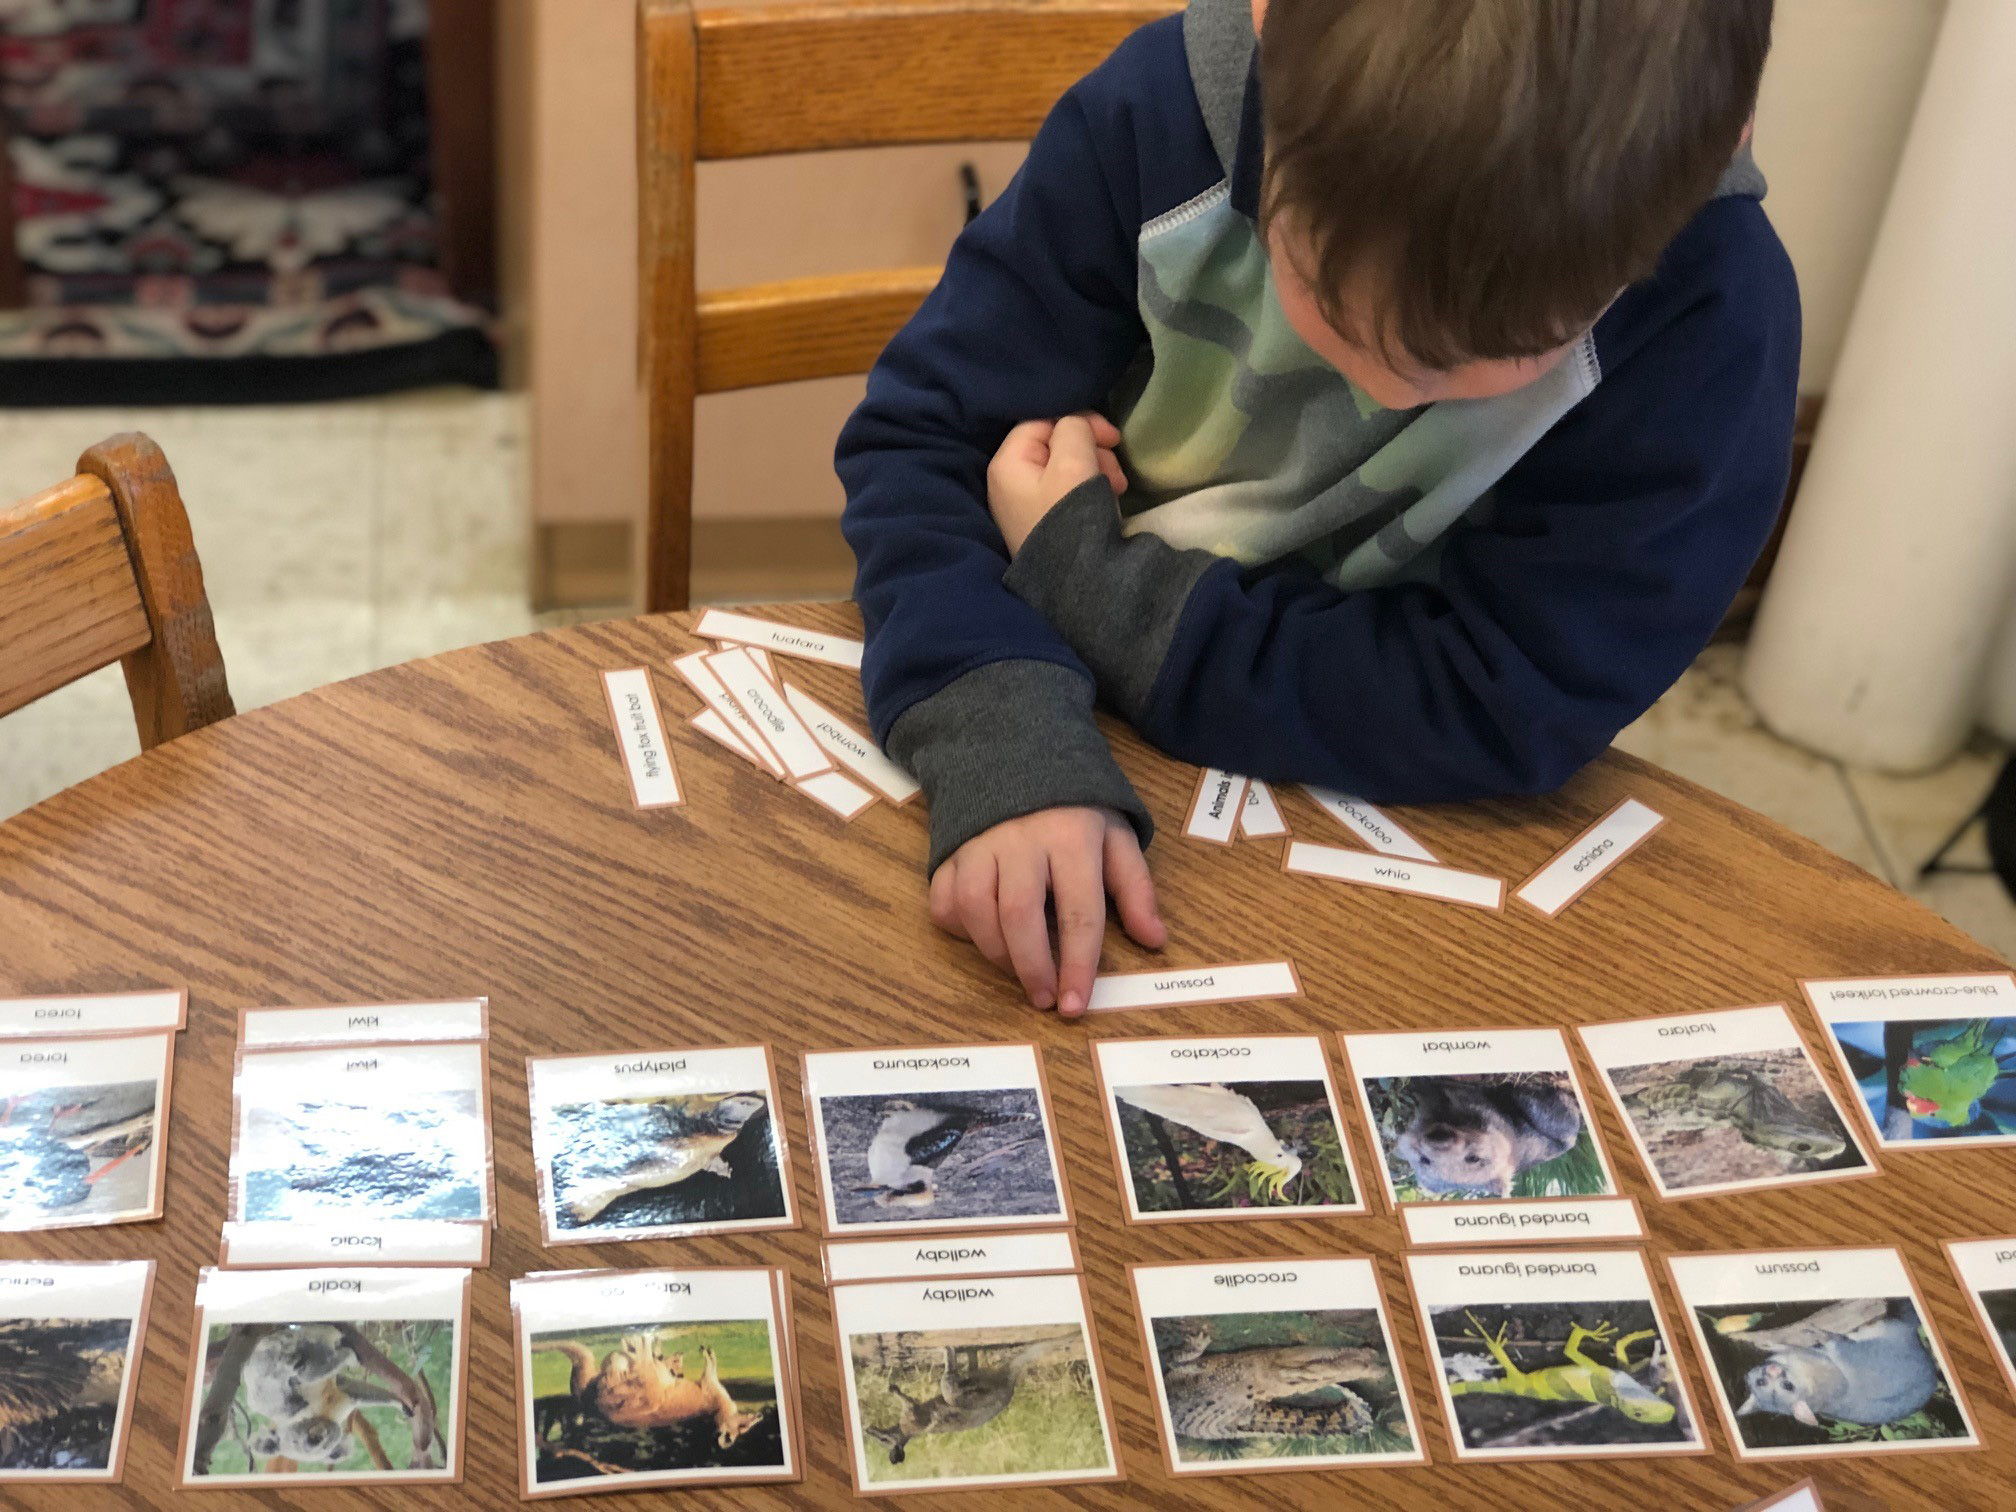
x=1452 y=363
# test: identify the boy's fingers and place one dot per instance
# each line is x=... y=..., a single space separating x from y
x=1132 y=888
x=1025 y=884
x=1081 y=926
x=1072 y=447
x=1029 y=442
x=945 y=899
x=1116 y=477
x=978 y=911
x=1104 y=431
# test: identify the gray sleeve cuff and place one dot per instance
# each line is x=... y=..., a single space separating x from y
x=1005 y=740
x=1114 y=598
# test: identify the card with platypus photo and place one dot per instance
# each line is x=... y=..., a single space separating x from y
x=1478 y=1115
x=1232 y=1127
x=959 y=1384
x=653 y=1144
x=1552 y=1354
x=1274 y=1365
x=1725 y=1101
x=1822 y=1352
x=934 y=1137
x=634 y=1379
x=70 y=1342
x=326 y=1377
x=1932 y=1058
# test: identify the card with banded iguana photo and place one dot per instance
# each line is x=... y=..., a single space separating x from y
x=1932 y=1058
x=1552 y=1354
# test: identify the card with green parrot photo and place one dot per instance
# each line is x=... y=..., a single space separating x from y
x=1932 y=1059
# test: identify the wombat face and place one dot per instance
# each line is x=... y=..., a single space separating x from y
x=1446 y=1157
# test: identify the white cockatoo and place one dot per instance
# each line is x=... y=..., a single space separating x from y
x=1217 y=1112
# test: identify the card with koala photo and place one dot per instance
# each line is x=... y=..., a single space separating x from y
x=655 y=1144
x=1274 y=1365
x=1232 y=1127
x=70 y=1345
x=1552 y=1354
x=1478 y=1115
x=633 y=1379
x=934 y=1137
x=326 y=1377
x=1822 y=1352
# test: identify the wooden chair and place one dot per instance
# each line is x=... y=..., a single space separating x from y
x=760 y=79
x=103 y=569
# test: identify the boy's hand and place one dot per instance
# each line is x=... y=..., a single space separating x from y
x=992 y=890
x=1043 y=460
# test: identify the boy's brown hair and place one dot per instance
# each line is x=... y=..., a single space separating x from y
x=1496 y=170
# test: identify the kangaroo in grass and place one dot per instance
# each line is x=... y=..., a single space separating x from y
x=637 y=1387
x=970 y=1394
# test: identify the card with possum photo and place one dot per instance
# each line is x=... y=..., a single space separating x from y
x=1987 y=1272
x=934 y=1137
x=1240 y=1126
x=84 y=1129
x=1478 y=1115
x=1552 y=1354
x=1274 y=1365
x=1038 y=1252
x=1932 y=1059
x=70 y=1345
x=633 y=1379
x=1725 y=1101
x=993 y=1381
x=1821 y=1352
x=326 y=1377
x=653 y=1144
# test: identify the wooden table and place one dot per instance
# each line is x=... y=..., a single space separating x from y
x=463 y=825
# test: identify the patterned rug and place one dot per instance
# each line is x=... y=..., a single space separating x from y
x=225 y=200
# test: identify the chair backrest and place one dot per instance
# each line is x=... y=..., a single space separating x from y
x=756 y=80
x=102 y=568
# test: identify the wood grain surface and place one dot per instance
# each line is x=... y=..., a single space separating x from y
x=463 y=825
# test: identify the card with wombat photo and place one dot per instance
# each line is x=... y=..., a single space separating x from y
x=1932 y=1059
x=1478 y=1115
x=1821 y=1352
x=1234 y=1127
x=70 y=1344
x=326 y=1377
x=1987 y=1271
x=84 y=1137
x=934 y=1137
x=1552 y=1354
x=652 y=1144
x=962 y=1384
x=1725 y=1101
x=633 y=1379
x=1274 y=1365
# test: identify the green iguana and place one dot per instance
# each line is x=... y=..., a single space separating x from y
x=1581 y=1380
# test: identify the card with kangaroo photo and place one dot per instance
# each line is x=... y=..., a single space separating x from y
x=326 y=1377
x=1235 y=1127
x=959 y=1384
x=653 y=1144
x=1932 y=1059
x=1987 y=1272
x=1725 y=1101
x=1274 y=1365
x=1478 y=1115
x=631 y=1379
x=934 y=1137
x=85 y=1129
x=70 y=1345
x=1821 y=1352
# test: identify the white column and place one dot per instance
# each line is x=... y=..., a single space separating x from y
x=1898 y=564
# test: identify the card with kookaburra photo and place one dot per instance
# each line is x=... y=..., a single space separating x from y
x=70 y=1345
x=1241 y=1126
x=655 y=1144
x=934 y=1137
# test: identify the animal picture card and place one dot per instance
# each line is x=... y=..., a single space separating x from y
x=934 y=1137
x=83 y=1129
x=1274 y=1365
x=1478 y=1114
x=1552 y=1354
x=1243 y=1127
x=1725 y=1101
x=652 y=1144
x=958 y=1385
x=928 y=1258
x=1987 y=1272
x=1932 y=1058
x=1821 y=1352
x=632 y=1379
x=70 y=1341
x=326 y=1377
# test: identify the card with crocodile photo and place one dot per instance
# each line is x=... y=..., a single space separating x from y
x=1552 y=1354
x=652 y=1144
x=1478 y=1115
x=70 y=1346
x=1932 y=1059
x=1821 y=1352
x=1274 y=1365
x=934 y=1137
x=962 y=1384
x=1725 y=1101
x=1987 y=1271
x=1244 y=1127
x=84 y=1132
x=633 y=1379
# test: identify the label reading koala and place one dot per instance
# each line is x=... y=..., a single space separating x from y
x=955 y=1255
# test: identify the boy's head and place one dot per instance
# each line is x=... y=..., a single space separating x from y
x=1455 y=190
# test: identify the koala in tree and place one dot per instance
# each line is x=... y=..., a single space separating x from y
x=295 y=1379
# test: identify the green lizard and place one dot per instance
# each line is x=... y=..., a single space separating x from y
x=1581 y=1380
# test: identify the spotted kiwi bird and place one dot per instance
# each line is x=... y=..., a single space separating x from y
x=1241 y=1393
x=913 y=1141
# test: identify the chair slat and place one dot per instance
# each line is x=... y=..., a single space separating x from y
x=804 y=327
x=69 y=600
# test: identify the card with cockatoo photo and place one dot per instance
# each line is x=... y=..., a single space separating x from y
x=1242 y=1126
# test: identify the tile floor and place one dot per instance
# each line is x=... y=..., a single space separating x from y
x=339 y=538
